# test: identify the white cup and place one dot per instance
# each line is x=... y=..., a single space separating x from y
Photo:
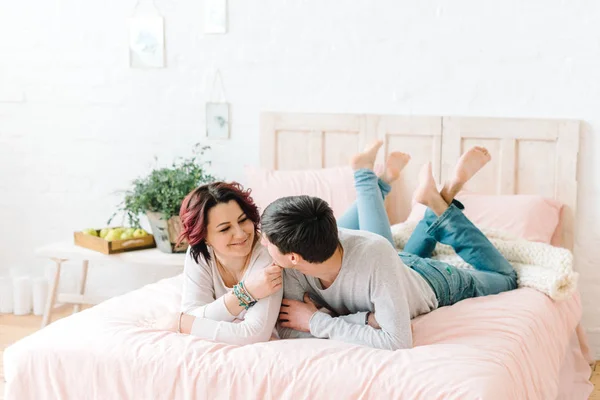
x=40 y=295
x=22 y=295
x=6 y=295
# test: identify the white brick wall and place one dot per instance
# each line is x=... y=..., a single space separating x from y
x=76 y=124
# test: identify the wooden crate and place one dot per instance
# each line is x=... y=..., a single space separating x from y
x=116 y=246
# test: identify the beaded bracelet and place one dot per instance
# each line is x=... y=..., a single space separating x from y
x=252 y=299
x=244 y=298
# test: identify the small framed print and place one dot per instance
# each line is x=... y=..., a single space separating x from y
x=215 y=16
x=217 y=120
x=146 y=42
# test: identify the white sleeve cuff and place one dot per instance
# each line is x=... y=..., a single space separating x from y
x=205 y=328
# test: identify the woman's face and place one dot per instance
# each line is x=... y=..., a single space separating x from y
x=230 y=232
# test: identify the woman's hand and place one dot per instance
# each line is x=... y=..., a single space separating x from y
x=263 y=283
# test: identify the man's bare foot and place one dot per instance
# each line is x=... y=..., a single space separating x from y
x=395 y=163
x=366 y=159
x=427 y=193
x=468 y=165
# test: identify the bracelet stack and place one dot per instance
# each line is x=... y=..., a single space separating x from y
x=245 y=299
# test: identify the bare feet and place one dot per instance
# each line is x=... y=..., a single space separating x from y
x=468 y=165
x=427 y=193
x=395 y=163
x=366 y=159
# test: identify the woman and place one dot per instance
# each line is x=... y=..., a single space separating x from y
x=231 y=290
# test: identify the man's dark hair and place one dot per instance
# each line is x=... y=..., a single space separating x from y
x=301 y=224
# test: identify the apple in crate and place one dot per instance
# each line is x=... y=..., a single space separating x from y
x=113 y=234
x=127 y=233
x=90 y=231
x=139 y=233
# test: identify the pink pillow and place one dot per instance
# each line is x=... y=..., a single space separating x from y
x=530 y=217
x=334 y=185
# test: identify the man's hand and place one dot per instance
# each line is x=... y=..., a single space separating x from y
x=296 y=314
x=372 y=321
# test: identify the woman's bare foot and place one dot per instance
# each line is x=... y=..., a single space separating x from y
x=394 y=165
x=427 y=193
x=468 y=165
x=366 y=159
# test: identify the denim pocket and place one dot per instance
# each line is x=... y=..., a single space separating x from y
x=458 y=283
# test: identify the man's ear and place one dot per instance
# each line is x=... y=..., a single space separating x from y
x=295 y=258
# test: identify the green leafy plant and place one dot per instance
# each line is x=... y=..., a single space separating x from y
x=164 y=189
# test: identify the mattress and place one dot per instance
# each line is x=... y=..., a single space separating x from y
x=515 y=345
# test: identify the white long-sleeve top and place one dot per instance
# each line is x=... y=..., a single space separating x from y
x=203 y=291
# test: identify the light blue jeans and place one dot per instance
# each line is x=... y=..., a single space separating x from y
x=492 y=273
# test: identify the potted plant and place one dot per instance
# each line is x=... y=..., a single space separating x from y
x=159 y=196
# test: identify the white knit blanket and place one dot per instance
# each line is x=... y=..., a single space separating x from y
x=539 y=266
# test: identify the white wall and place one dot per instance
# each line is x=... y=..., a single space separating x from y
x=76 y=124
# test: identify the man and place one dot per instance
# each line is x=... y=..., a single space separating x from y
x=366 y=291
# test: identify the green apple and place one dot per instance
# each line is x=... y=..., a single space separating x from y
x=118 y=231
x=113 y=234
x=130 y=231
x=126 y=235
x=139 y=233
x=90 y=231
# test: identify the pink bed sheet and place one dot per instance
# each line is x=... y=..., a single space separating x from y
x=517 y=345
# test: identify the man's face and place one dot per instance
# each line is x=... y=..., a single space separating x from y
x=280 y=259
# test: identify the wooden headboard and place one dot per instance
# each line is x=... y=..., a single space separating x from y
x=529 y=156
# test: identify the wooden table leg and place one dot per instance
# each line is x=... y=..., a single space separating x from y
x=52 y=294
x=82 y=281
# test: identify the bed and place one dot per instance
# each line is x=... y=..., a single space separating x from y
x=516 y=345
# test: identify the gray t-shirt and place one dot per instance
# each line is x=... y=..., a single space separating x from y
x=372 y=278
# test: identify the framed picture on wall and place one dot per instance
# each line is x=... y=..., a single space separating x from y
x=215 y=16
x=217 y=120
x=146 y=42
